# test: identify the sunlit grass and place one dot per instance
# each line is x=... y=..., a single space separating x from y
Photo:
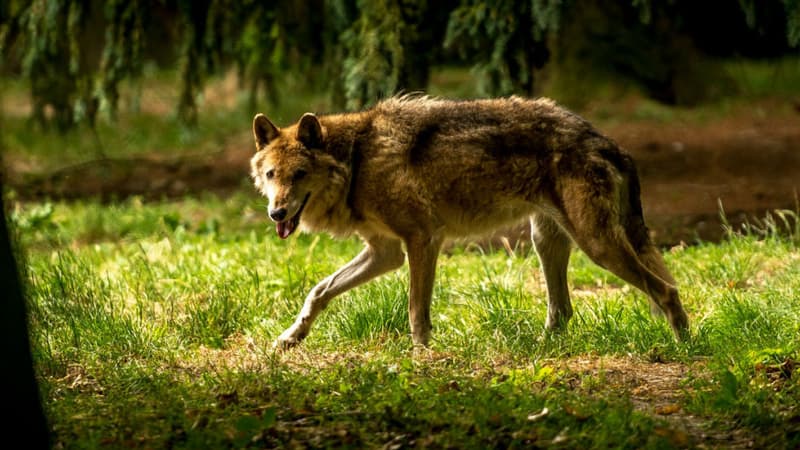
x=152 y=325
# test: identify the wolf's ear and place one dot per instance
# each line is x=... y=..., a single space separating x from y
x=263 y=130
x=309 y=131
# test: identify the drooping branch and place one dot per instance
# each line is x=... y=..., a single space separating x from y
x=122 y=54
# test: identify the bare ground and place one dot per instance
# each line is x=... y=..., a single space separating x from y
x=658 y=390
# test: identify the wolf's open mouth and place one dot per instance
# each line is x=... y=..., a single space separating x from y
x=287 y=227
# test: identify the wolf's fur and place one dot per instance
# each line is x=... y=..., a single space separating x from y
x=415 y=170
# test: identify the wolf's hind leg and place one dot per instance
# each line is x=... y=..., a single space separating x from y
x=423 y=252
x=380 y=256
x=606 y=242
x=651 y=258
x=553 y=246
x=607 y=227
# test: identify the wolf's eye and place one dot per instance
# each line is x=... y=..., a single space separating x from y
x=270 y=173
x=299 y=175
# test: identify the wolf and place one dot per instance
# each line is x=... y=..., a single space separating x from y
x=413 y=171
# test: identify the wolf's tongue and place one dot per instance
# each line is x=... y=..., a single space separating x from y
x=286 y=228
x=283 y=230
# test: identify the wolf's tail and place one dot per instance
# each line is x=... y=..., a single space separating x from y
x=635 y=228
x=633 y=221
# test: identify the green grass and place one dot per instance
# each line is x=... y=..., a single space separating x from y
x=765 y=78
x=146 y=123
x=152 y=323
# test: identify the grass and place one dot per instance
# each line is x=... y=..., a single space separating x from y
x=152 y=325
x=146 y=123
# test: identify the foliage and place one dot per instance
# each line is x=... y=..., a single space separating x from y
x=209 y=34
x=122 y=54
x=791 y=9
x=507 y=38
x=52 y=56
x=76 y=54
x=373 y=52
x=387 y=47
x=793 y=21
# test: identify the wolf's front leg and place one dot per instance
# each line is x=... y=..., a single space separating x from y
x=423 y=251
x=380 y=256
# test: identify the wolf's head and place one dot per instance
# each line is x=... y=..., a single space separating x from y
x=286 y=168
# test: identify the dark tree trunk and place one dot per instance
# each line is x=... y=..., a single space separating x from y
x=24 y=419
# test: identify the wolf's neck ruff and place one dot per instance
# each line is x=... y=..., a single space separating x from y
x=333 y=208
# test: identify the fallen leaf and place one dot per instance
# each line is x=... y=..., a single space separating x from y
x=561 y=437
x=539 y=416
x=666 y=410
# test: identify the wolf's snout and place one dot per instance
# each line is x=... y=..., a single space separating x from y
x=277 y=214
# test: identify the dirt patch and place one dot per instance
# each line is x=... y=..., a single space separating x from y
x=152 y=177
x=658 y=389
x=749 y=166
x=687 y=172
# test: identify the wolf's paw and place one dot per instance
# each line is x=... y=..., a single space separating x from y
x=683 y=335
x=285 y=343
x=421 y=351
x=556 y=326
x=289 y=338
x=421 y=338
